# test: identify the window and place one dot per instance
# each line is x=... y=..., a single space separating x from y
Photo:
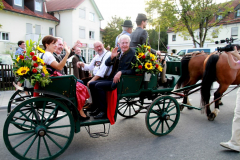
x=234 y=31
x=181 y=53
x=51 y=31
x=214 y=34
x=83 y=52
x=82 y=32
x=91 y=54
x=91 y=16
x=173 y=37
x=91 y=35
x=18 y=2
x=37 y=29
x=82 y=13
x=219 y=17
x=29 y=28
x=4 y=36
x=238 y=13
x=38 y=5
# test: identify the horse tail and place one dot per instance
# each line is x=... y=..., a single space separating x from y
x=184 y=71
x=209 y=77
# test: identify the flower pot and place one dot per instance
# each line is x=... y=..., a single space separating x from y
x=27 y=84
x=147 y=76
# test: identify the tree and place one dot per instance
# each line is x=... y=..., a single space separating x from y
x=153 y=39
x=112 y=30
x=1 y=7
x=188 y=16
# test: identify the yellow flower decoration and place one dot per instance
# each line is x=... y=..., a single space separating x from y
x=159 y=68
x=140 y=55
x=40 y=49
x=17 y=59
x=148 y=66
x=148 y=47
x=22 y=70
x=144 y=46
x=153 y=56
x=44 y=69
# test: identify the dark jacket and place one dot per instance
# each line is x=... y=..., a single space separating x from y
x=59 y=59
x=78 y=72
x=139 y=36
x=123 y=64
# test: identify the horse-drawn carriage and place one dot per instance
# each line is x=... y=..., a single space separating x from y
x=43 y=127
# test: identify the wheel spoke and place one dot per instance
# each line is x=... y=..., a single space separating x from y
x=172 y=120
x=167 y=124
x=14 y=134
x=154 y=122
x=44 y=105
x=51 y=114
x=27 y=118
x=122 y=106
x=57 y=134
x=49 y=153
x=163 y=104
x=38 y=149
x=153 y=111
x=171 y=108
x=34 y=112
x=50 y=123
x=172 y=114
x=168 y=104
x=158 y=126
x=162 y=127
x=153 y=117
x=54 y=141
x=125 y=110
x=30 y=146
x=23 y=141
x=25 y=125
x=59 y=126
x=159 y=107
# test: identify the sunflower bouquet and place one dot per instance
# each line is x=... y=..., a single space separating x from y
x=29 y=66
x=146 y=62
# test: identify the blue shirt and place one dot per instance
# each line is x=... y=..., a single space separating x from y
x=123 y=33
x=18 y=52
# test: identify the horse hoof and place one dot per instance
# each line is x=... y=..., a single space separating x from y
x=211 y=117
x=181 y=107
x=220 y=103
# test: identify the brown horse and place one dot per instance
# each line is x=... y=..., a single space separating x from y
x=217 y=69
x=192 y=71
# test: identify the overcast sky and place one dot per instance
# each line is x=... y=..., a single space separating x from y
x=122 y=8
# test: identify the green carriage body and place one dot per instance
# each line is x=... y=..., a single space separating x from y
x=62 y=93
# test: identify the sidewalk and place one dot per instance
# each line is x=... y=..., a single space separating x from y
x=4 y=98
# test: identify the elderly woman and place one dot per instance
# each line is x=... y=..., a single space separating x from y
x=49 y=43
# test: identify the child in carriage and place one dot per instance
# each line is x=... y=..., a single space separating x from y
x=49 y=43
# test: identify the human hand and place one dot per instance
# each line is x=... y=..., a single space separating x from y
x=77 y=44
x=158 y=53
x=89 y=83
x=117 y=77
x=67 y=49
x=114 y=52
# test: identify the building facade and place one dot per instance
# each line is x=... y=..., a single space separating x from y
x=230 y=27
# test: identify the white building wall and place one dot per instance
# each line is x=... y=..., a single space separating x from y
x=15 y=25
x=224 y=33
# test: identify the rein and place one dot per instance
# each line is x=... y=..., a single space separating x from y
x=220 y=97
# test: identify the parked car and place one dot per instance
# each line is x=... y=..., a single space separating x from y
x=189 y=50
x=170 y=57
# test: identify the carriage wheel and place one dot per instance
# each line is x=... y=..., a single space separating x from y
x=128 y=107
x=17 y=98
x=46 y=136
x=162 y=116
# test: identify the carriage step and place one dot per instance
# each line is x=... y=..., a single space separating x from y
x=190 y=106
x=105 y=133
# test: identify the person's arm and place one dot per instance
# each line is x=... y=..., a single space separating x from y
x=232 y=63
x=59 y=66
x=75 y=68
x=93 y=79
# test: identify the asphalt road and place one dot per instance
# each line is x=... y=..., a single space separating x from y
x=194 y=138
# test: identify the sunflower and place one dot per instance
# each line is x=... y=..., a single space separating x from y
x=153 y=57
x=44 y=69
x=22 y=70
x=148 y=66
x=140 y=55
x=40 y=49
x=159 y=68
